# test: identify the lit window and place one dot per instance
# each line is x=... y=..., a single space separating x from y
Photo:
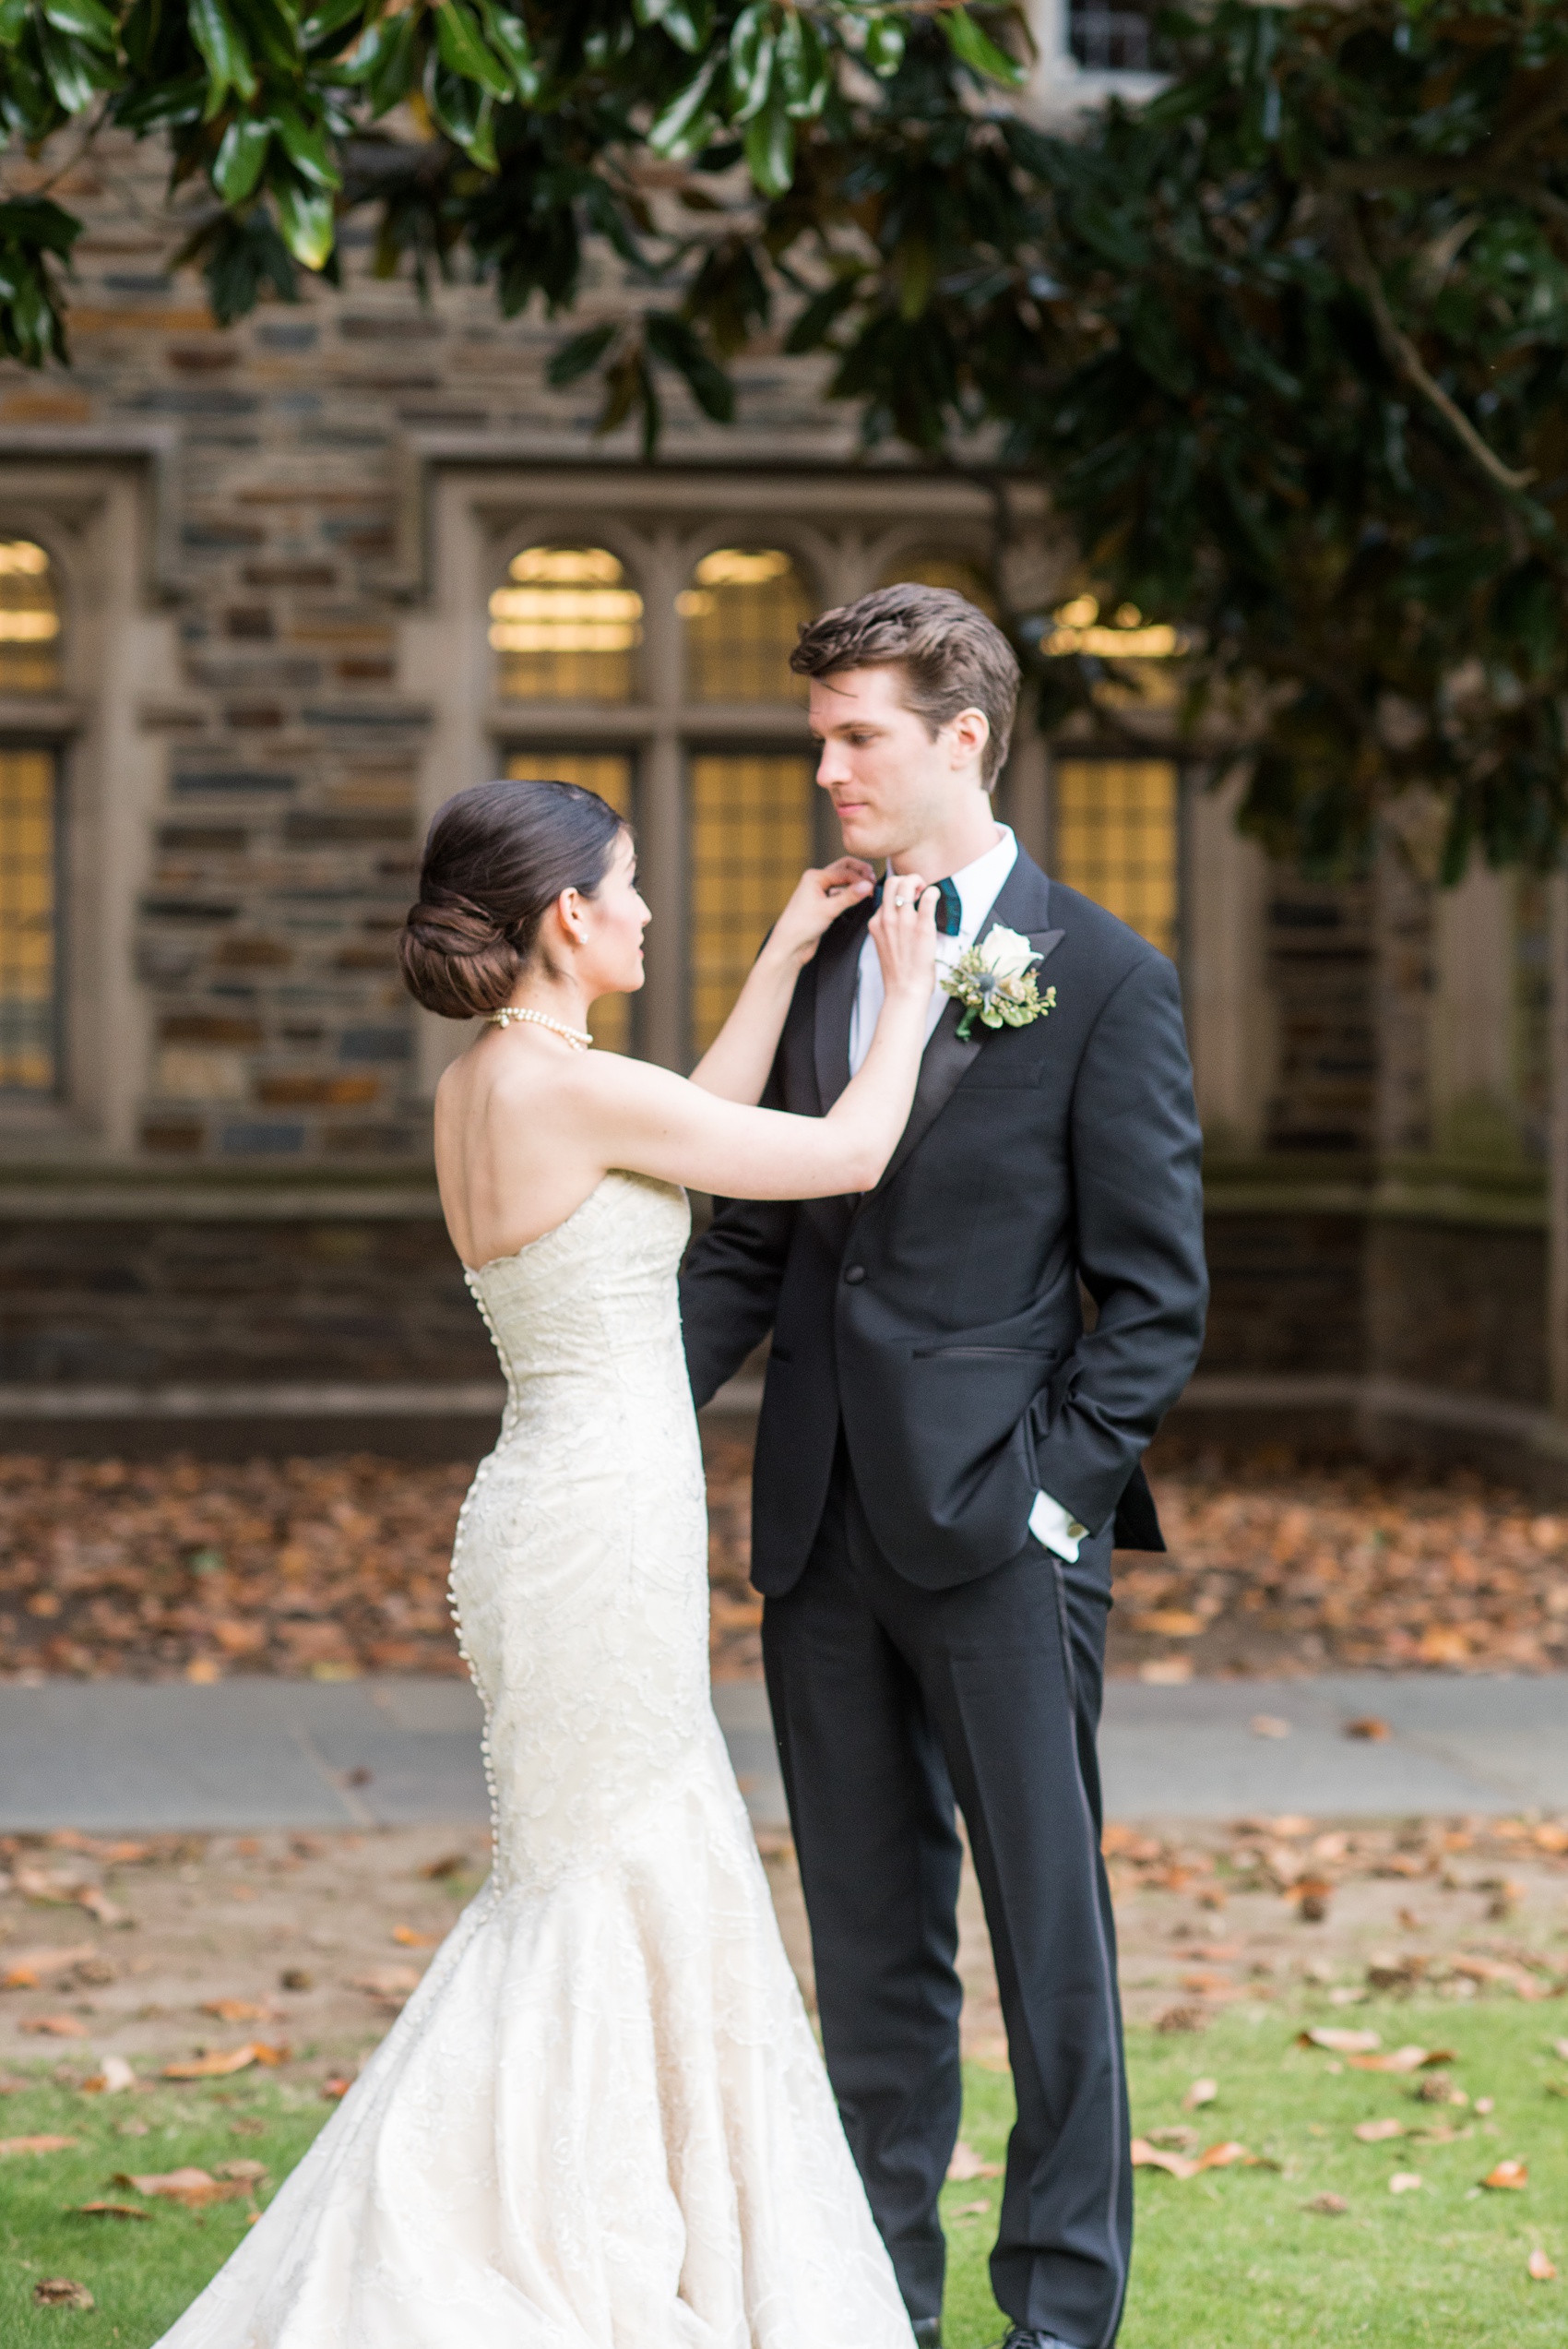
x=29 y=1052
x=566 y=626
x=751 y=839
x=944 y=571
x=743 y=613
x=609 y=774
x=1114 y=826
x=30 y=620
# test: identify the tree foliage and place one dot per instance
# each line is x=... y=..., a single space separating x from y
x=1285 y=345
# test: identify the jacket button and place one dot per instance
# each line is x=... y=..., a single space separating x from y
x=854 y=1274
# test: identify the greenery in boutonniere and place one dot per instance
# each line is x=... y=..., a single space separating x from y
x=995 y=982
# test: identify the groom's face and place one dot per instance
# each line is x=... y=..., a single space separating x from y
x=890 y=781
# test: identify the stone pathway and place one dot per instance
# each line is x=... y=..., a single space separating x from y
x=255 y=1754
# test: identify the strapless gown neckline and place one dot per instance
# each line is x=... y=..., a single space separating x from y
x=602 y=2121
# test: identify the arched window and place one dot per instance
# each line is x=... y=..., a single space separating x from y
x=566 y=626
x=751 y=819
x=953 y=571
x=743 y=611
x=29 y=619
x=29 y=831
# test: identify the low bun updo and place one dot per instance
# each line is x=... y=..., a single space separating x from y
x=496 y=858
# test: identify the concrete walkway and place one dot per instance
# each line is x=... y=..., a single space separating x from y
x=255 y=1753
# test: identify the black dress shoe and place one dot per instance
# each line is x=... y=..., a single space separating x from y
x=1019 y=2336
x=927 y=2332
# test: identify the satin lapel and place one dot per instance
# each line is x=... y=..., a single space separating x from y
x=838 y=964
x=1023 y=903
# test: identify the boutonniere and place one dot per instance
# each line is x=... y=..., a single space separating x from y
x=994 y=980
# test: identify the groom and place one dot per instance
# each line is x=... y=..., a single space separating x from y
x=945 y=1457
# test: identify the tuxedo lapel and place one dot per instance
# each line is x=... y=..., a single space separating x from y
x=1023 y=903
x=838 y=970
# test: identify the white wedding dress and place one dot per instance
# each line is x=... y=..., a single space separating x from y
x=602 y=2121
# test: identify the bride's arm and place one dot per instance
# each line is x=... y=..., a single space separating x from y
x=650 y=1122
x=736 y=1063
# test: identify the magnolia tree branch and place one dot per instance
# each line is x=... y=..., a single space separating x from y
x=1402 y=354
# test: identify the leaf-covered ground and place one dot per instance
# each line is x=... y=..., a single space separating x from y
x=1306 y=2244
x=120 y=1956
x=337 y=1567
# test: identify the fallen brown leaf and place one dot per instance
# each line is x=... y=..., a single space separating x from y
x=1374 y=2132
x=107 y=2211
x=1404 y=2182
x=1509 y=2176
x=246 y=2170
x=28 y=1968
x=335 y=2087
x=1268 y=1724
x=60 y=2292
x=1201 y=2092
x=1224 y=2156
x=1153 y=2157
x=35 y=2144
x=386 y=1981
x=1542 y=2270
x=238 y=2009
x=219 y=2065
x=1404 y=2059
x=408 y=1937
x=449 y=1863
x=966 y=2163
x=1340 y=2043
x=193 y=2187
x=55 y=2027
x=1327 y=2206
x=1369 y=1727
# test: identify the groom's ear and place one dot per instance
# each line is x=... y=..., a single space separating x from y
x=968 y=736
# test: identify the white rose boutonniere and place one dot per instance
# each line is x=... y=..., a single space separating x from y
x=995 y=982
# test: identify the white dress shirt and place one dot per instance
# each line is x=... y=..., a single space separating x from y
x=978 y=886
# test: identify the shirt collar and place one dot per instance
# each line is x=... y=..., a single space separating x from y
x=979 y=885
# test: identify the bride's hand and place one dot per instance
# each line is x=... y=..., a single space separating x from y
x=904 y=928
x=815 y=903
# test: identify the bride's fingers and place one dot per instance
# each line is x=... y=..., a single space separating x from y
x=847 y=874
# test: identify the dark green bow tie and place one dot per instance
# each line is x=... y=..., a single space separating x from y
x=949 y=913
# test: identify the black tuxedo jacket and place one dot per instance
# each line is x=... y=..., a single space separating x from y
x=939 y=1315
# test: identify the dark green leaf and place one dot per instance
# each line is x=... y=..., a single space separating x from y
x=977 y=49
x=580 y=354
x=241 y=154
x=673 y=340
x=465 y=51
x=751 y=44
x=508 y=36
x=677 y=132
x=305 y=145
x=306 y=221
x=770 y=145
x=332 y=17
x=83 y=21
x=885 y=43
x=228 y=61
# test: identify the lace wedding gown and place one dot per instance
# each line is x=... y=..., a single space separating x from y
x=602 y=2121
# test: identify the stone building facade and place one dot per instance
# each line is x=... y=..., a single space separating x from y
x=268 y=594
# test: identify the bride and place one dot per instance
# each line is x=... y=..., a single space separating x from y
x=602 y=2121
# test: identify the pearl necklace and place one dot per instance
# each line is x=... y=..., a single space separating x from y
x=579 y=1038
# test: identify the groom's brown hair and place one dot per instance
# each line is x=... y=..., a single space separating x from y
x=952 y=657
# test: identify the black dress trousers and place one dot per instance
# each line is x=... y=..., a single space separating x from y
x=890 y=1701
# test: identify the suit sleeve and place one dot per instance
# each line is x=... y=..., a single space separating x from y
x=1136 y=1151
x=731 y=1281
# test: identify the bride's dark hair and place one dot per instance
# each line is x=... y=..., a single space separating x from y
x=496 y=858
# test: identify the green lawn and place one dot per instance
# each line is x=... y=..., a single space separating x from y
x=1228 y=2259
